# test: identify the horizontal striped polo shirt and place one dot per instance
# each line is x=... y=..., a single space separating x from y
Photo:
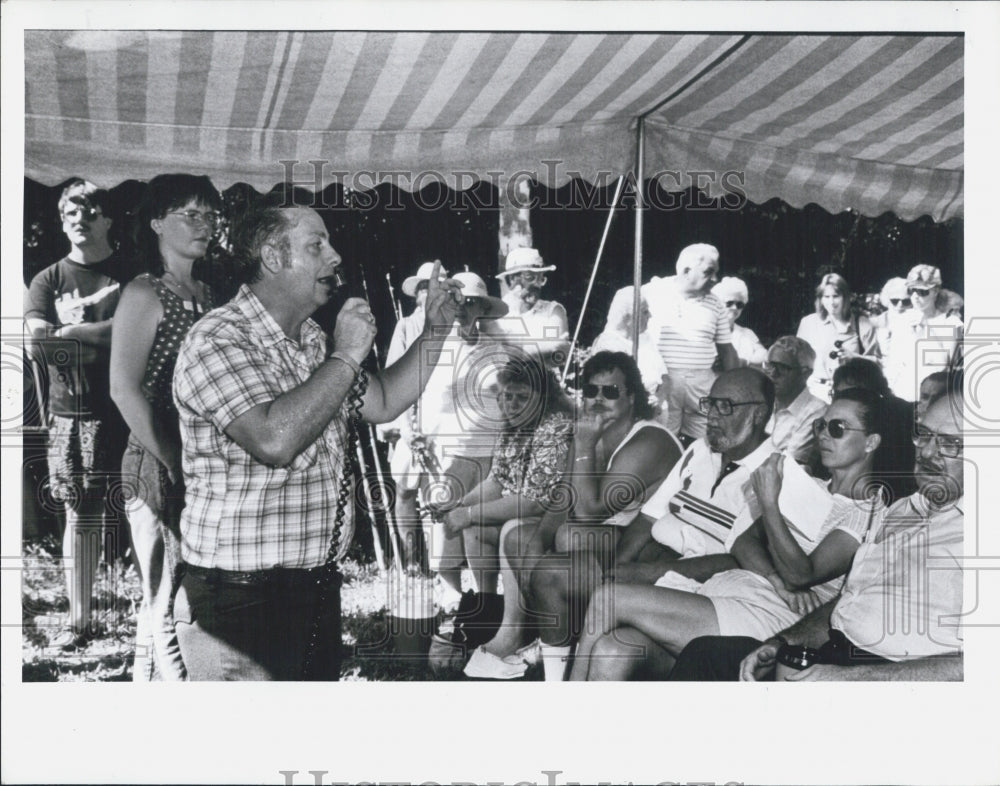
x=686 y=328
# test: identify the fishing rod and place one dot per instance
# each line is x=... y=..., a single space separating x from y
x=396 y=309
x=593 y=276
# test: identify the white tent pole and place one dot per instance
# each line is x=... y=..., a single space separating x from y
x=640 y=163
x=593 y=275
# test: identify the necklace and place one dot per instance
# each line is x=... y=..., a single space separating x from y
x=192 y=299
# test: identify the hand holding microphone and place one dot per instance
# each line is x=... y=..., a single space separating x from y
x=354 y=331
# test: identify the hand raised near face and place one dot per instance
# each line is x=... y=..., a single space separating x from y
x=443 y=298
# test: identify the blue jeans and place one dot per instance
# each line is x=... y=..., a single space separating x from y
x=230 y=631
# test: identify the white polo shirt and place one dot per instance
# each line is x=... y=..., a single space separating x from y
x=695 y=507
x=791 y=427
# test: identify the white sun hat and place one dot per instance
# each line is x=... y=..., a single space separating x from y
x=521 y=259
x=423 y=274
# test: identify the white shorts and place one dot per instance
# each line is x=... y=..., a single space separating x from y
x=747 y=605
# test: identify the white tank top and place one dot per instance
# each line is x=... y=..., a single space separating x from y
x=624 y=517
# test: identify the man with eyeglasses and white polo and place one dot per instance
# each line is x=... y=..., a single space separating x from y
x=68 y=313
x=898 y=615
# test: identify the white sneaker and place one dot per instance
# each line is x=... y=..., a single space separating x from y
x=487 y=666
x=531 y=653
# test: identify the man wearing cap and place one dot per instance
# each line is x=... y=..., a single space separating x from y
x=789 y=364
x=455 y=427
x=540 y=326
x=68 y=312
x=927 y=338
x=693 y=328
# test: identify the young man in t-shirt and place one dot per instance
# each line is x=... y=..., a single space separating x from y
x=68 y=313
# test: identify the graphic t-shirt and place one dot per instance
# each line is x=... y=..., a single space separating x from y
x=68 y=293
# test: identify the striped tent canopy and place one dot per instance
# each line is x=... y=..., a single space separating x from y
x=873 y=122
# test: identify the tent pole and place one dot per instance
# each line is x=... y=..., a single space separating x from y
x=640 y=163
x=593 y=275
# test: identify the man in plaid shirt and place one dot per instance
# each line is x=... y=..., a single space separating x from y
x=264 y=415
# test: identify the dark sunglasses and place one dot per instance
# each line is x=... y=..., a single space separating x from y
x=921 y=292
x=608 y=392
x=897 y=300
x=734 y=304
x=835 y=428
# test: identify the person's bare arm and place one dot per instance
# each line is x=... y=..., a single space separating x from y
x=644 y=461
x=51 y=339
x=391 y=391
x=277 y=431
x=136 y=320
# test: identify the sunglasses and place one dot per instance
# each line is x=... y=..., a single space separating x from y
x=529 y=277
x=920 y=292
x=947 y=446
x=836 y=428
x=898 y=300
x=723 y=406
x=608 y=392
x=734 y=304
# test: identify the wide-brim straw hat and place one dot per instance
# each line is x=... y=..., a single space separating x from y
x=423 y=274
x=521 y=259
x=474 y=286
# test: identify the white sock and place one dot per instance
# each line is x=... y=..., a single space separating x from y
x=554 y=660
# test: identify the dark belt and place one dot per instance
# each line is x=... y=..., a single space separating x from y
x=259 y=578
x=841 y=651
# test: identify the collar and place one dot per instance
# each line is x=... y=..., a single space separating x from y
x=927 y=511
x=798 y=403
x=758 y=456
x=267 y=328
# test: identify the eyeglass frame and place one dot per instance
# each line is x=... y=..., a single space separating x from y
x=87 y=212
x=785 y=368
x=920 y=291
x=602 y=391
x=707 y=403
x=922 y=435
x=534 y=276
x=819 y=425
x=192 y=216
x=904 y=300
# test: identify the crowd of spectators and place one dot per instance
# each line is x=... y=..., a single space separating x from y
x=705 y=510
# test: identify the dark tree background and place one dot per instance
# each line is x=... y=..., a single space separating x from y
x=779 y=250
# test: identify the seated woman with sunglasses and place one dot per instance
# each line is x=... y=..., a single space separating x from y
x=618 y=456
x=528 y=463
x=638 y=630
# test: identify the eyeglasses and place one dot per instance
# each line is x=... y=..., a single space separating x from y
x=723 y=406
x=86 y=211
x=208 y=218
x=835 y=428
x=471 y=301
x=608 y=392
x=531 y=277
x=947 y=445
x=734 y=304
x=905 y=301
x=920 y=292
x=772 y=366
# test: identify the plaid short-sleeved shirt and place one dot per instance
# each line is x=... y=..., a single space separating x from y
x=242 y=514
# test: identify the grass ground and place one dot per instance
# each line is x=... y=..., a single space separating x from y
x=368 y=653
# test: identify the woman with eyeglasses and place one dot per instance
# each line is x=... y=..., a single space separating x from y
x=177 y=220
x=617 y=337
x=734 y=294
x=784 y=573
x=931 y=333
x=836 y=332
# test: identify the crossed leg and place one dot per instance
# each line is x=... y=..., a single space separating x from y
x=664 y=619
